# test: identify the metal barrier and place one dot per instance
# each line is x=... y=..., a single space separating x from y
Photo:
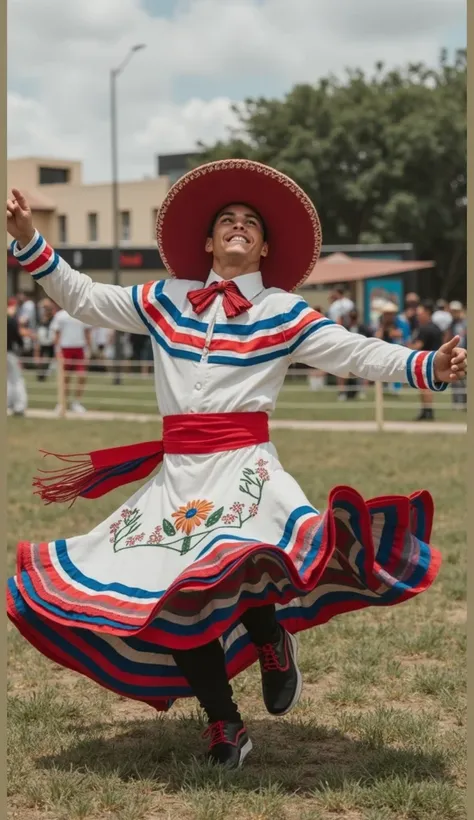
x=136 y=392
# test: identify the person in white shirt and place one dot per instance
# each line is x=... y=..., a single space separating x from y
x=27 y=319
x=442 y=317
x=340 y=304
x=72 y=339
x=220 y=558
x=45 y=339
x=338 y=310
x=26 y=310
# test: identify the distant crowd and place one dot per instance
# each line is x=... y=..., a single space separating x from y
x=420 y=325
x=39 y=333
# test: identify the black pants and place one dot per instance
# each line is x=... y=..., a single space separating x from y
x=46 y=352
x=205 y=670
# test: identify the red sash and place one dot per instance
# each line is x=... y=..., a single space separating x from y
x=91 y=475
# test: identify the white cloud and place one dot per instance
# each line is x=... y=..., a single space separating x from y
x=60 y=55
x=175 y=128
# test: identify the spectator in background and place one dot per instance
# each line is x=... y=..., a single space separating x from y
x=458 y=324
x=354 y=325
x=394 y=329
x=72 y=339
x=45 y=338
x=428 y=336
x=142 y=352
x=412 y=300
x=458 y=327
x=339 y=306
x=27 y=319
x=26 y=309
x=100 y=343
x=442 y=316
x=17 y=399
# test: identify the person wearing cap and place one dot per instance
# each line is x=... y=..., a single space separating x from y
x=218 y=559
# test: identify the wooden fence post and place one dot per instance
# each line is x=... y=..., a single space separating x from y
x=61 y=386
x=379 y=420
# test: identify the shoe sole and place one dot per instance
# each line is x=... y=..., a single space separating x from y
x=244 y=751
x=246 y=748
x=293 y=642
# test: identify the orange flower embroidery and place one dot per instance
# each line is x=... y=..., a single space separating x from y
x=190 y=516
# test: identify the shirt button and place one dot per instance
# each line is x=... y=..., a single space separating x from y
x=205 y=351
x=198 y=386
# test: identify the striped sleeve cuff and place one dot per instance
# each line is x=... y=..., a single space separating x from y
x=420 y=371
x=38 y=258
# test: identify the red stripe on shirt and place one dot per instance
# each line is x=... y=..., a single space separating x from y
x=420 y=380
x=45 y=256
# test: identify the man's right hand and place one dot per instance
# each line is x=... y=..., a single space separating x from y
x=19 y=218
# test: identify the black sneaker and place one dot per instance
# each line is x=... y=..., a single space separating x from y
x=229 y=743
x=281 y=678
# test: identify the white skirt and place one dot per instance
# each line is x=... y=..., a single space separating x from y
x=206 y=538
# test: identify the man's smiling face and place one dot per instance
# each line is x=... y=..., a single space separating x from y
x=238 y=238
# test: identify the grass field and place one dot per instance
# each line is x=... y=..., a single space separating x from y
x=379 y=733
x=295 y=400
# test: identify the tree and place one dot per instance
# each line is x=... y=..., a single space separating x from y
x=383 y=157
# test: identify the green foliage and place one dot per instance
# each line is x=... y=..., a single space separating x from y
x=383 y=157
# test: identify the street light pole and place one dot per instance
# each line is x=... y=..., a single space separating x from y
x=115 y=213
x=114 y=73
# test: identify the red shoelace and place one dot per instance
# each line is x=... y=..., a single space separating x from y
x=269 y=658
x=216 y=733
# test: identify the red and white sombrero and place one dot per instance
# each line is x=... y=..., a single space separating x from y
x=293 y=228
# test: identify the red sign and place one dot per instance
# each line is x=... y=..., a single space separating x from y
x=131 y=260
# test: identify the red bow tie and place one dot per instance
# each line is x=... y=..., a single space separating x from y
x=234 y=303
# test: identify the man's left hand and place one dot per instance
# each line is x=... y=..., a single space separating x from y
x=450 y=362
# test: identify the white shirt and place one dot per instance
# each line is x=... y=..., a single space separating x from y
x=442 y=319
x=45 y=334
x=100 y=337
x=27 y=313
x=340 y=308
x=211 y=364
x=72 y=331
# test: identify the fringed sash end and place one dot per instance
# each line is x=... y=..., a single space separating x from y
x=91 y=475
x=67 y=484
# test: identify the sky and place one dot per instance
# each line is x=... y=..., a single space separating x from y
x=200 y=56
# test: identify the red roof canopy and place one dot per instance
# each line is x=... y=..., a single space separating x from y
x=338 y=267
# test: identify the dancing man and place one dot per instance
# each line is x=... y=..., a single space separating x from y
x=219 y=559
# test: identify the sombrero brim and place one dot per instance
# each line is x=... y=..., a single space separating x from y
x=293 y=227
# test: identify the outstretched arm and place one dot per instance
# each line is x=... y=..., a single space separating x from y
x=93 y=303
x=316 y=341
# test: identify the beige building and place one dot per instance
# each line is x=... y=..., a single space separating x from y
x=77 y=219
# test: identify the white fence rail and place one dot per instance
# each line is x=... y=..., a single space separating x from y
x=303 y=390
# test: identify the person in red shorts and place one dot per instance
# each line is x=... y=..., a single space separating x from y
x=72 y=341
